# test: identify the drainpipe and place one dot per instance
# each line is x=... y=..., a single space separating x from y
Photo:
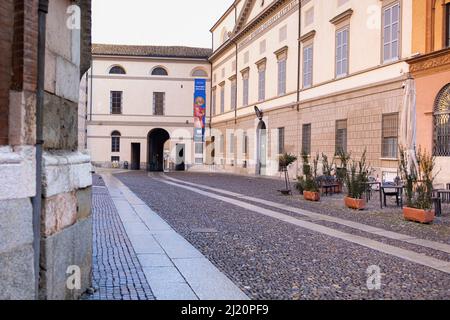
x=37 y=200
x=236 y=87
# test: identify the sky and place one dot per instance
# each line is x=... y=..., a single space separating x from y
x=156 y=22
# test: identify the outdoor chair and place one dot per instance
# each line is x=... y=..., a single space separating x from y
x=388 y=192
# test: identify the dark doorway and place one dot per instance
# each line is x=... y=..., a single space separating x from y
x=135 y=156
x=180 y=165
x=155 y=154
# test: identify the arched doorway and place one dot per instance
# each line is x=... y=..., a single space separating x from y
x=441 y=121
x=261 y=148
x=155 y=149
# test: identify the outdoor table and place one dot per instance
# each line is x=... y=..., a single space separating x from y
x=399 y=193
x=330 y=188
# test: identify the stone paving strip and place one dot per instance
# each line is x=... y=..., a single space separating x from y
x=318 y=217
x=117 y=273
x=175 y=270
x=409 y=255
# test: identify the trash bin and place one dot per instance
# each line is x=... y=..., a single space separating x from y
x=125 y=165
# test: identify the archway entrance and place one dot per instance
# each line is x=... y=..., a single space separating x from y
x=155 y=151
x=261 y=148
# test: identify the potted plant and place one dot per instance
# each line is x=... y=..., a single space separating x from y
x=310 y=185
x=356 y=176
x=418 y=186
x=285 y=161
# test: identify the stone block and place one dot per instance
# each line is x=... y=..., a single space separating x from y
x=17 y=274
x=67 y=79
x=60 y=123
x=16 y=224
x=50 y=72
x=69 y=247
x=65 y=172
x=17 y=172
x=22 y=113
x=84 y=203
x=58 y=212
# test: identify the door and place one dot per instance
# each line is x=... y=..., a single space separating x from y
x=135 y=156
x=180 y=161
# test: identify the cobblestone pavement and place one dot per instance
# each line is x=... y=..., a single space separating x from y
x=271 y=259
x=117 y=274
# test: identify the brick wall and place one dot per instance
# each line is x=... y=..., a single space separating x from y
x=6 y=38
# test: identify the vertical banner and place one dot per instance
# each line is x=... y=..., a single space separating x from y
x=199 y=110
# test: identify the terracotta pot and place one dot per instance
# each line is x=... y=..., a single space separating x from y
x=357 y=204
x=418 y=215
x=311 y=196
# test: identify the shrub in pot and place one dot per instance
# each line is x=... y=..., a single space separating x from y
x=418 y=186
x=309 y=185
x=355 y=175
x=284 y=161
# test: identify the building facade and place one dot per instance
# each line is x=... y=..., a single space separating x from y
x=45 y=181
x=327 y=76
x=430 y=68
x=141 y=106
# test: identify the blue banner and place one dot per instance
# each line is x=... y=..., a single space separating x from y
x=199 y=109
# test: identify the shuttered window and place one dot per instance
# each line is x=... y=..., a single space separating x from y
x=245 y=88
x=307 y=66
x=391 y=32
x=158 y=103
x=390 y=136
x=222 y=98
x=261 y=83
x=447 y=24
x=281 y=148
x=342 y=52
x=213 y=101
x=116 y=102
x=282 y=76
x=341 y=136
x=233 y=94
x=306 y=139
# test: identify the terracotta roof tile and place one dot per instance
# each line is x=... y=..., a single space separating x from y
x=151 y=51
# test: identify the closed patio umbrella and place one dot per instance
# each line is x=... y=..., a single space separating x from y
x=408 y=130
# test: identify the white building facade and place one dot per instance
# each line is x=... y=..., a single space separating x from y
x=140 y=110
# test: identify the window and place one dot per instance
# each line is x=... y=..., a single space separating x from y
x=282 y=75
x=159 y=71
x=115 y=159
x=283 y=33
x=281 y=141
x=199 y=73
x=233 y=93
x=231 y=144
x=342 y=52
x=307 y=66
x=245 y=88
x=213 y=101
x=115 y=141
x=261 y=82
x=390 y=136
x=117 y=70
x=233 y=65
x=309 y=16
x=246 y=57
x=222 y=98
x=199 y=148
x=441 y=121
x=221 y=144
x=116 y=102
x=447 y=24
x=306 y=139
x=245 y=143
x=158 y=103
x=262 y=47
x=341 y=136
x=391 y=32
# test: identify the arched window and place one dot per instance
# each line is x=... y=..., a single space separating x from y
x=200 y=73
x=441 y=121
x=115 y=141
x=117 y=70
x=159 y=71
